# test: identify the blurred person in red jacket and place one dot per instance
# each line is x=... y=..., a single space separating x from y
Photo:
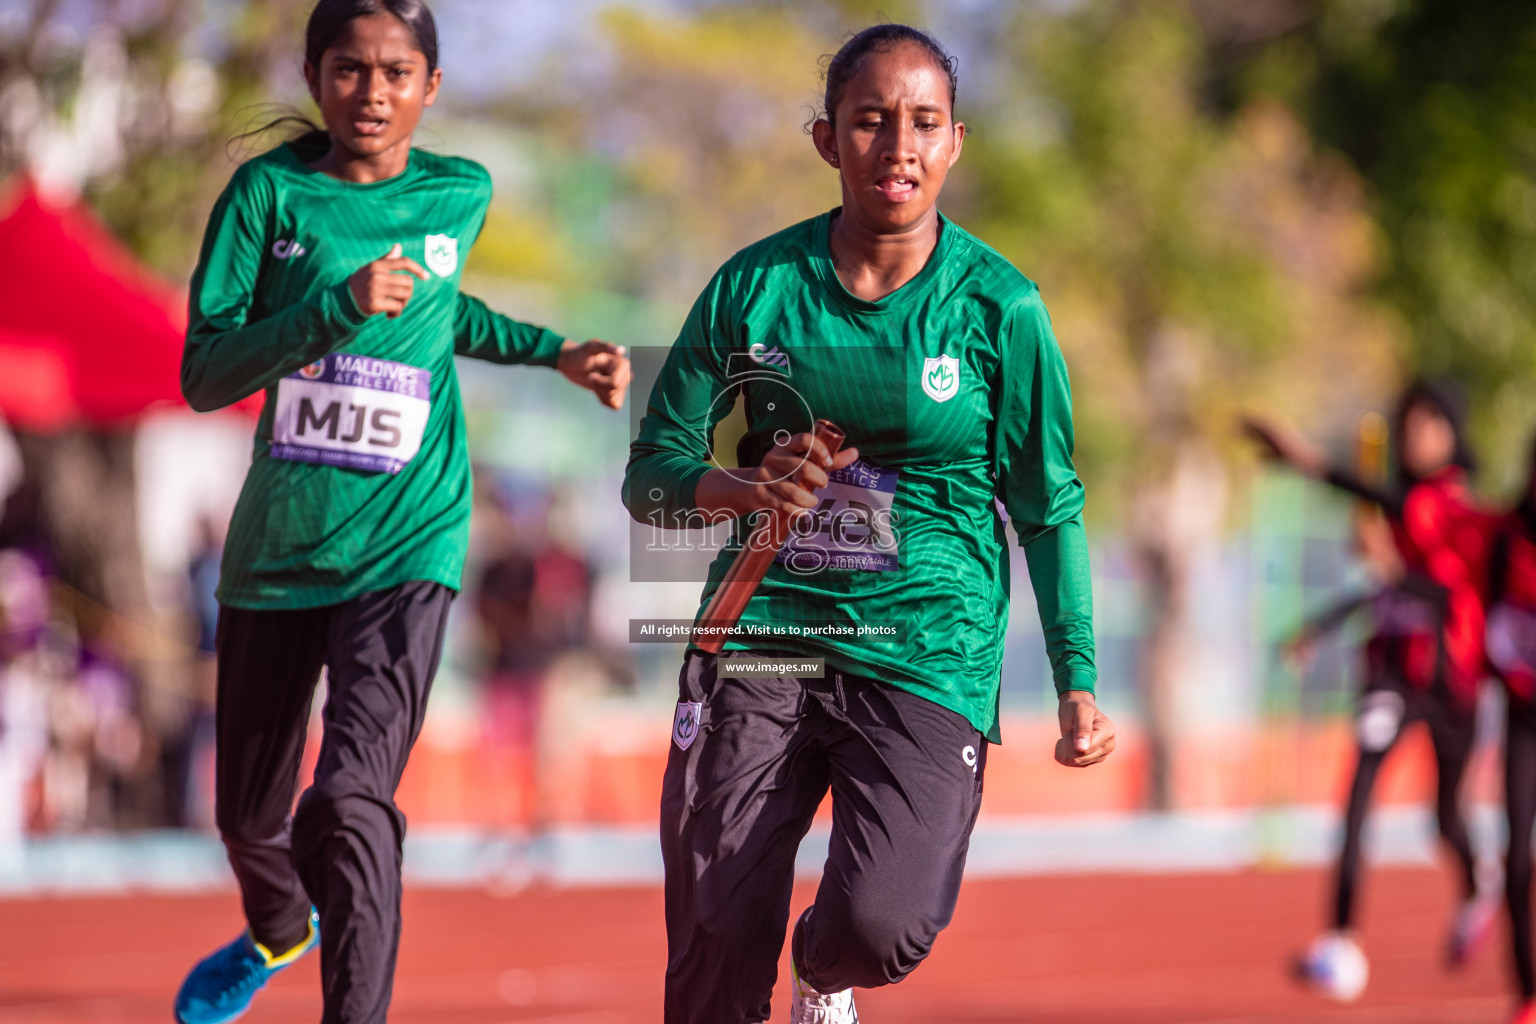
x=1424 y=659
x=533 y=602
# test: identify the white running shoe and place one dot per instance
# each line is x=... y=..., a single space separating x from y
x=812 y=1007
x=1334 y=966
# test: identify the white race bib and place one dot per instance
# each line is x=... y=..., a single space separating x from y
x=1512 y=638
x=352 y=411
x=851 y=527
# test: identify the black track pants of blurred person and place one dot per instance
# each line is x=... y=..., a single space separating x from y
x=341 y=849
x=1388 y=706
x=1520 y=805
x=906 y=778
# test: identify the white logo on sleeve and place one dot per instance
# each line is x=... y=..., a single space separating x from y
x=941 y=377
x=442 y=254
x=968 y=755
x=760 y=353
x=685 y=724
x=283 y=249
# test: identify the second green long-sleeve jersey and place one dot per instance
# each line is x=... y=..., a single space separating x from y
x=360 y=476
x=956 y=395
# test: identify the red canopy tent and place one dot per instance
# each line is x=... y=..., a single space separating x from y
x=87 y=334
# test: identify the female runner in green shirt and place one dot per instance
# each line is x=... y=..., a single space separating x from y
x=936 y=357
x=329 y=279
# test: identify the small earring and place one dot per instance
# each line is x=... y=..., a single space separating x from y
x=834 y=161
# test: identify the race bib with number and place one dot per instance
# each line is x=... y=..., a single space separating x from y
x=1512 y=638
x=352 y=411
x=851 y=527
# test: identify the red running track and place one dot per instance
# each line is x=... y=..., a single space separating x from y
x=1122 y=949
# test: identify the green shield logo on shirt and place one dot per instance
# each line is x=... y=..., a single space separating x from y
x=941 y=377
x=442 y=254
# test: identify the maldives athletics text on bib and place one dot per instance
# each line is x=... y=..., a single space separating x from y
x=352 y=411
x=850 y=527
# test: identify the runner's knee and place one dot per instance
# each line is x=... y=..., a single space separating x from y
x=241 y=826
x=338 y=804
x=866 y=945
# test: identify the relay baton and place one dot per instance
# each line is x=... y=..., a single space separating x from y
x=752 y=561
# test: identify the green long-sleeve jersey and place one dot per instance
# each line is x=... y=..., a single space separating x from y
x=956 y=395
x=360 y=476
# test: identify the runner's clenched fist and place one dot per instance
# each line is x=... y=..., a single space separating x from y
x=384 y=286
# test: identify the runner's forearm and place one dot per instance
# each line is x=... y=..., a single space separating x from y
x=223 y=363
x=1039 y=488
x=1336 y=615
x=481 y=333
x=1389 y=501
x=1063 y=585
x=662 y=484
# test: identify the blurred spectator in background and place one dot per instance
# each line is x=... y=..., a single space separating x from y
x=72 y=743
x=100 y=706
x=533 y=603
x=186 y=753
x=24 y=681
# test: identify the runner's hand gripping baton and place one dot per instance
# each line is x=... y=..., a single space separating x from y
x=724 y=609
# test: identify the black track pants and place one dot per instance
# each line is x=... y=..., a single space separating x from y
x=1388 y=707
x=340 y=851
x=1520 y=806
x=905 y=776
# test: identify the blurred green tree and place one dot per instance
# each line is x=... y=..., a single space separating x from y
x=1435 y=102
x=1196 y=261
x=703 y=119
x=129 y=106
